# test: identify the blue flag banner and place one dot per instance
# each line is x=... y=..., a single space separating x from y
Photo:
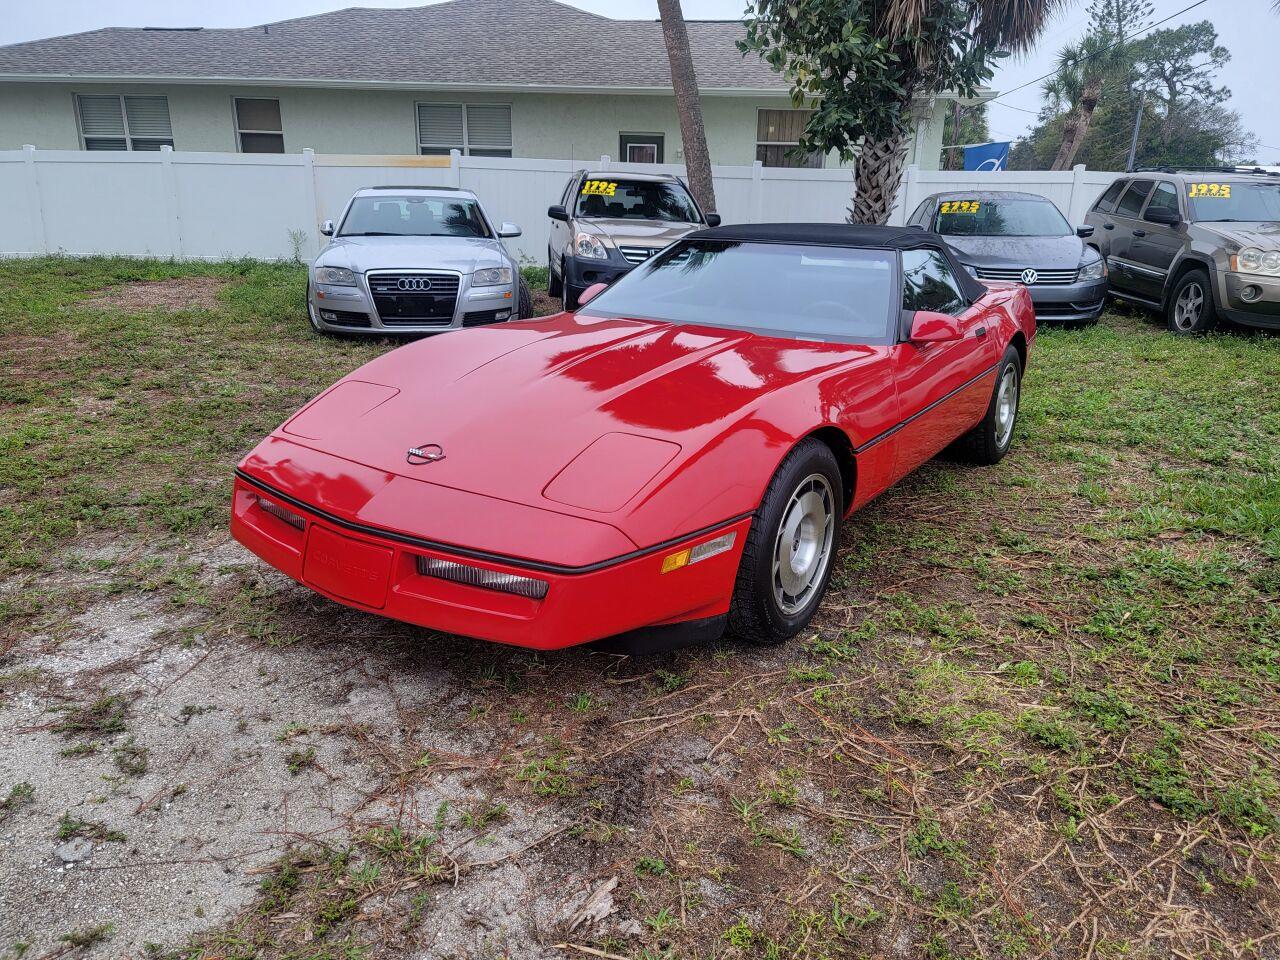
x=987 y=156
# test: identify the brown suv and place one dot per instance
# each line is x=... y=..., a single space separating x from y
x=1194 y=244
x=606 y=223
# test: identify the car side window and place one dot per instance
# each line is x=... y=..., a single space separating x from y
x=568 y=191
x=919 y=215
x=1107 y=202
x=1165 y=197
x=1130 y=204
x=929 y=284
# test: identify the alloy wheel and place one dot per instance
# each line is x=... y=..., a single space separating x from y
x=803 y=545
x=1189 y=307
x=1006 y=405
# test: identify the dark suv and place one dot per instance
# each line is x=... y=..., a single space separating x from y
x=1194 y=244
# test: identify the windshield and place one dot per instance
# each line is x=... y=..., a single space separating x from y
x=1000 y=218
x=785 y=290
x=413 y=217
x=1234 y=201
x=636 y=200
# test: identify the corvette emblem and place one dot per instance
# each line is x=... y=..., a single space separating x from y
x=1029 y=277
x=427 y=453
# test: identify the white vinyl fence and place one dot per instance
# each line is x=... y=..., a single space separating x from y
x=216 y=206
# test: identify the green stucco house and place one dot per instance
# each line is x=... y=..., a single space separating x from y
x=495 y=78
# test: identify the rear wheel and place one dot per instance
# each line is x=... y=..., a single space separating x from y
x=553 y=281
x=990 y=440
x=786 y=562
x=1190 y=310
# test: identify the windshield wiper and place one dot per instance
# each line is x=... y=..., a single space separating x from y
x=376 y=233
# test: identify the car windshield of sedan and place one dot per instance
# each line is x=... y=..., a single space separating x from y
x=800 y=291
x=1227 y=202
x=1000 y=218
x=636 y=200
x=413 y=217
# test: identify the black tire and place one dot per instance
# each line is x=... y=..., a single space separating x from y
x=988 y=442
x=568 y=297
x=1190 y=312
x=756 y=613
x=553 y=280
x=524 y=301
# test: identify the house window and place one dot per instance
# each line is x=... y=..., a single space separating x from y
x=477 y=129
x=114 y=122
x=640 y=147
x=777 y=134
x=258 y=126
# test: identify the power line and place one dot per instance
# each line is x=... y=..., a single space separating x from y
x=1109 y=46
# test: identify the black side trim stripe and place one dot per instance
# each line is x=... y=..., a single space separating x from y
x=920 y=413
x=455 y=550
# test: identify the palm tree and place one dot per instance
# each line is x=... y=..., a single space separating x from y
x=1083 y=67
x=684 y=82
x=1011 y=25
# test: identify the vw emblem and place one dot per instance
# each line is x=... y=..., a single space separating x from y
x=1029 y=277
x=426 y=453
x=414 y=283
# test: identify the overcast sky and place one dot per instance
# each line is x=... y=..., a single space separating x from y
x=1250 y=29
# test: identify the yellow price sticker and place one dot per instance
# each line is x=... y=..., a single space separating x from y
x=599 y=188
x=1220 y=190
x=959 y=206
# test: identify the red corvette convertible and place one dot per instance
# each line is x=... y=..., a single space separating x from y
x=678 y=454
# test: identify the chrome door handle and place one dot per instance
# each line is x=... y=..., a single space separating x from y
x=1108 y=226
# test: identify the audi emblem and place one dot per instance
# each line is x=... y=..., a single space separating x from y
x=1029 y=277
x=414 y=283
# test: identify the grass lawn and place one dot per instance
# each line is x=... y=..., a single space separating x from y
x=1036 y=717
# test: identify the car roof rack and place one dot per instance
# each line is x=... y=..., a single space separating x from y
x=1241 y=170
x=416 y=186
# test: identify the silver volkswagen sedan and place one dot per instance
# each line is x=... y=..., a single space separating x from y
x=414 y=260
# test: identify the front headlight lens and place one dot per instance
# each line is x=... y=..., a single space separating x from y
x=590 y=247
x=1271 y=262
x=491 y=277
x=1249 y=260
x=1094 y=270
x=338 y=276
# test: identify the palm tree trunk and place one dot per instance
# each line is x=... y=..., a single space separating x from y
x=1077 y=125
x=688 y=105
x=876 y=179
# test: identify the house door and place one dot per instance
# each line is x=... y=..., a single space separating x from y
x=640 y=147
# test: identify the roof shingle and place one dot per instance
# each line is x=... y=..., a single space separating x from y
x=462 y=42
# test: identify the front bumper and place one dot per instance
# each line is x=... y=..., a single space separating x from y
x=1252 y=300
x=1070 y=302
x=377 y=571
x=343 y=309
x=581 y=272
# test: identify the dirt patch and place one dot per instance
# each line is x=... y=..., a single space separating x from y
x=180 y=293
x=543 y=304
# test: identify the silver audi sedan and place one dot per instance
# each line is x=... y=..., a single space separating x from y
x=414 y=260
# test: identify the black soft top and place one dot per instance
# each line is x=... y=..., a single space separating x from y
x=846 y=235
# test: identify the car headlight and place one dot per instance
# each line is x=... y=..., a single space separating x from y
x=1253 y=260
x=973 y=271
x=491 y=277
x=587 y=246
x=1093 y=270
x=338 y=276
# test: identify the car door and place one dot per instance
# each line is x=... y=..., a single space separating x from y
x=1155 y=245
x=1126 y=217
x=559 y=229
x=942 y=390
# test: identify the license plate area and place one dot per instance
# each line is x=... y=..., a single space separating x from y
x=347 y=568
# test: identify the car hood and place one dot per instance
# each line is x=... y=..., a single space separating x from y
x=1264 y=234
x=641 y=233
x=464 y=254
x=511 y=406
x=1042 y=253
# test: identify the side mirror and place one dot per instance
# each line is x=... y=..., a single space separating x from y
x=713 y=219
x=327 y=228
x=508 y=230
x=930 y=327
x=590 y=293
x=1163 y=215
x=1084 y=232
x=558 y=212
